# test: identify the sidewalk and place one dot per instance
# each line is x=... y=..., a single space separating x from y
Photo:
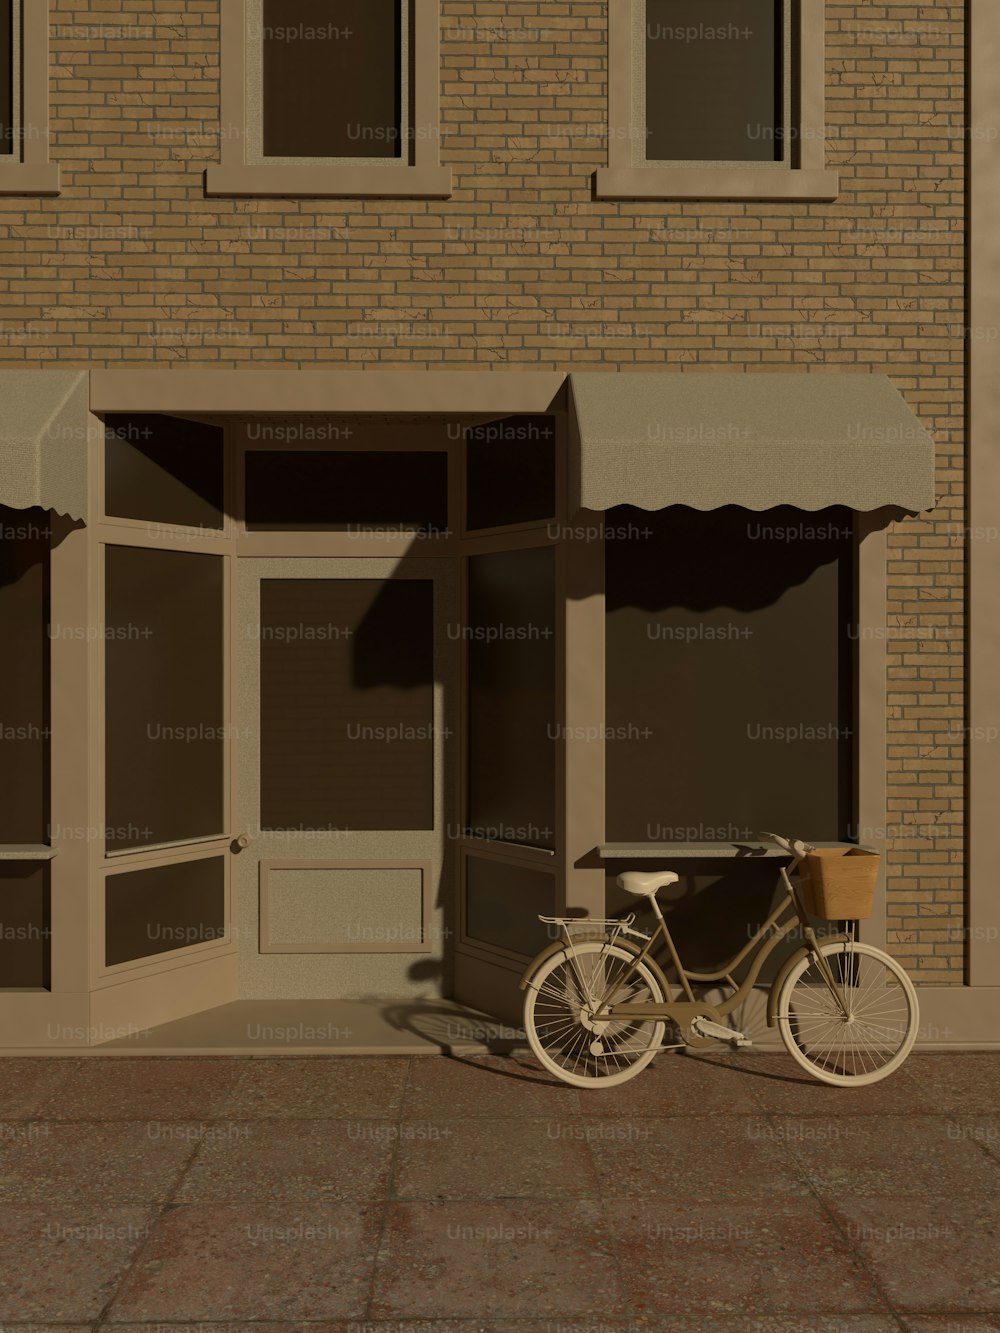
x=713 y=1192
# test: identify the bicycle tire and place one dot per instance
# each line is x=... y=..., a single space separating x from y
x=582 y=1052
x=874 y=1041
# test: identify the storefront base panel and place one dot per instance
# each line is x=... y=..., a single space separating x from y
x=495 y=985
x=132 y=1008
x=39 y=1022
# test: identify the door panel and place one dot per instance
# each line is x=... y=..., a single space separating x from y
x=347 y=685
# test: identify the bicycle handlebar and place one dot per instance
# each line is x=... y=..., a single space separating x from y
x=790 y=845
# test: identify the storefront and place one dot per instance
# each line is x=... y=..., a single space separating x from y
x=326 y=684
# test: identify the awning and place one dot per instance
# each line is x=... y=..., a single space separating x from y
x=728 y=438
x=43 y=440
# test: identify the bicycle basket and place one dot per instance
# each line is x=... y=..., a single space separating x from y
x=838 y=883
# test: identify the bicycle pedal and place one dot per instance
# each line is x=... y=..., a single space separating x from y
x=705 y=1027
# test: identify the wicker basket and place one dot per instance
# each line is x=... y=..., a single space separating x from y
x=838 y=883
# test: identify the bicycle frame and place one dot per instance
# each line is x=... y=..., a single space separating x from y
x=684 y=1011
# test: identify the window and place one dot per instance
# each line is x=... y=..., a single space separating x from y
x=24 y=676
x=503 y=901
x=159 y=909
x=346 y=704
x=164 y=470
x=328 y=82
x=736 y=45
x=26 y=936
x=9 y=75
x=730 y=676
x=716 y=99
x=330 y=98
x=510 y=473
x=165 y=723
x=24 y=100
x=346 y=491
x=512 y=697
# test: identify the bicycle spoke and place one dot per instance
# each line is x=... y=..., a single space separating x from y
x=874 y=1035
x=566 y=1028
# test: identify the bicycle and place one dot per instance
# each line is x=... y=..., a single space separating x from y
x=597 y=1003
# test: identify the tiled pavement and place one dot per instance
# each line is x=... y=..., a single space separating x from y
x=351 y=1195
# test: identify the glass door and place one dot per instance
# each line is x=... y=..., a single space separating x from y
x=347 y=684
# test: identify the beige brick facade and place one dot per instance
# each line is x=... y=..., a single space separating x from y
x=133 y=267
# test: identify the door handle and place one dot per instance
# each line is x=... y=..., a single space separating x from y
x=241 y=842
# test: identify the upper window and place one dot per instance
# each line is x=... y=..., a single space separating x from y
x=690 y=51
x=24 y=100
x=10 y=70
x=330 y=97
x=323 y=90
x=716 y=98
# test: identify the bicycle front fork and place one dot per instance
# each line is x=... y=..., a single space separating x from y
x=823 y=963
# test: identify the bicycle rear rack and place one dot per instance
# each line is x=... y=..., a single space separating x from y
x=579 y=928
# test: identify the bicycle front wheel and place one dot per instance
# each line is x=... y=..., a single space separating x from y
x=872 y=1039
x=570 y=1041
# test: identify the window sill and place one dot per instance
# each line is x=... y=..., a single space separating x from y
x=709 y=183
x=340 y=182
x=29 y=178
x=26 y=852
x=697 y=851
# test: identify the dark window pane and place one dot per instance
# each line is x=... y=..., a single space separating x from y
x=335 y=492
x=24 y=675
x=347 y=704
x=164 y=470
x=511 y=472
x=6 y=77
x=25 y=930
x=503 y=903
x=714 y=82
x=162 y=908
x=730 y=676
x=332 y=78
x=164 y=691
x=512 y=674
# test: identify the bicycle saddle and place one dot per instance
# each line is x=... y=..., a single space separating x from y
x=643 y=885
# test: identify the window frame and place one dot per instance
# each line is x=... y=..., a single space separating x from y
x=803 y=173
x=236 y=175
x=27 y=170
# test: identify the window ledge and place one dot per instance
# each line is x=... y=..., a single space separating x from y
x=26 y=852
x=29 y=178
x=663 y=851
x=343 y=182
x=713 y=183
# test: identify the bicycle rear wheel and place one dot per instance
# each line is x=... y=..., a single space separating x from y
x=559 y=1001
x=875 y=1037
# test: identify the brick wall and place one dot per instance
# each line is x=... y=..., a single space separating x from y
x=133 y=267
